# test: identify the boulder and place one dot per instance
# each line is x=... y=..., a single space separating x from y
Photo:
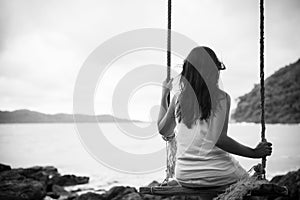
x=292 y=181
x=90 y=196
x=114 y=193
x=10 y=175
x=118 y=192
x=153 y=197
x=69 y=180
x=22 y=189
x=42 y=174
x=35 y=175
x=59 y=192
x=49 y=170
x=16 y=186
x=35 y=183
x=132 y=196
x=4 y=167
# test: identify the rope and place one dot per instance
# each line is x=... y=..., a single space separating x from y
x=169 y=41
x=170 y=142
x=262 y=81
x=171 y=147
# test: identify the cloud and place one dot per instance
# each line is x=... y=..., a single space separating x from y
x=44 y=43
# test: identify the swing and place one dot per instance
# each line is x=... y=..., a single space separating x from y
x=265 y=188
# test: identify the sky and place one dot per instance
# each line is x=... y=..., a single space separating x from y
x=43 y=45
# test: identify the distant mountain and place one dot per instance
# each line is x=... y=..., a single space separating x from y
x=27 y=116
x=282 y=98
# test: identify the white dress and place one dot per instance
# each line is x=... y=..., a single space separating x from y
x=202 y=167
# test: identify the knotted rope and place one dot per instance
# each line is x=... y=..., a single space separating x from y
x=171 y=147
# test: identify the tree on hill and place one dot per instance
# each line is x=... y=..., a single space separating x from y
x=282 y=98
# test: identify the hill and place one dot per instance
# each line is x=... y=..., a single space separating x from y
x=282 y=98
x=27 y=116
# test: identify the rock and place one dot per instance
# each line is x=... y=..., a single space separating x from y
x=14 y=185
x=69 y=180
x=132 y=196
x=50 y=170
x=35 y=183
x=10 y=175
x=38 y=173
x=115 y=193
x=90 y=196
x=31 y=171
x=4 y=167
x=292 y=181
x=276 y=179
x=118 y=192
x=22 y=189
x=52 y=195
x=59 y=192
x=151 y=197
x=41 y=174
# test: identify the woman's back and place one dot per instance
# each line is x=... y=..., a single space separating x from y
x=202 y=166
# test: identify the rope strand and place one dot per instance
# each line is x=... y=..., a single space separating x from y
x=262 y=80
x=169 y=41
x=170 y=142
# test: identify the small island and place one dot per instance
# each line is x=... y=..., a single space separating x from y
x=282 y=99
x=28 y=116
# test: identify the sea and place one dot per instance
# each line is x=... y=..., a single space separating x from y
x=60 y=145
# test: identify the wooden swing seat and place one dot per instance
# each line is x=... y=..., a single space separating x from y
x=180 y=190
x=264 y=190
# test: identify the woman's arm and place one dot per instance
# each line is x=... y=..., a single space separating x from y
x=166 y=117
x=232 y=146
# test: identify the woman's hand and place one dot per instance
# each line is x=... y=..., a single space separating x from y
x=167 y=86
x=263 y=149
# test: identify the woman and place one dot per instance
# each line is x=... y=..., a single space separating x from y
x=198 y=116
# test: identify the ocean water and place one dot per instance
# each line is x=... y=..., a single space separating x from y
x=26 y=145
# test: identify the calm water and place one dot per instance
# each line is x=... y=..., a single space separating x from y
x=25 y=145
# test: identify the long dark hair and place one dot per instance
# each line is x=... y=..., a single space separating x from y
x=194 y=101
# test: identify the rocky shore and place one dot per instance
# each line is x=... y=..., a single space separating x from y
x=46 y=183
